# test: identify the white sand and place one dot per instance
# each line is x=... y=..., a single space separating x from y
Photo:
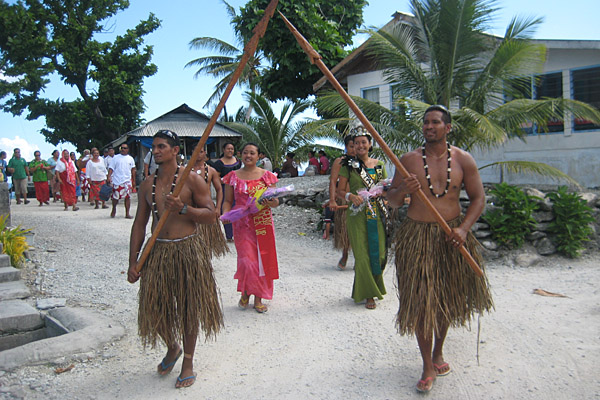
x=314 y=343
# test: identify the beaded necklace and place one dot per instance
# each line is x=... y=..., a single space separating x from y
x=154 y=190
x=205 y=173
x=428 y=175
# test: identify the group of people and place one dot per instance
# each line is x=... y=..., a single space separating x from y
x=321 y=165
x=436 y=286
x=68 y=177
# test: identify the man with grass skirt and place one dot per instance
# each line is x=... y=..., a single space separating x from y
x=436 y=286
x=178 y=292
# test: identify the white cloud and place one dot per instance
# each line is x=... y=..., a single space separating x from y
x=27 y=149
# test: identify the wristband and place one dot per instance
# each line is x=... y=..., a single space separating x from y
x=347 y=197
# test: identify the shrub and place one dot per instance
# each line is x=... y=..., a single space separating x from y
x=512 y=220
x=571 y=223
x=13 y=241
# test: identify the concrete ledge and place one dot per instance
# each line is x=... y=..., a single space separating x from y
x=14 y=290
x=8 y=273
x=18 y=316
x=89 y=331
x=4 y=260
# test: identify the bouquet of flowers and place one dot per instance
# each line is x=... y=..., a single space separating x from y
x=375 y=191
x=255 y=204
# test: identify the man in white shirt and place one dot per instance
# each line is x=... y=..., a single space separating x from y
x=264 y=162
x=108 y=157
x=121 y=173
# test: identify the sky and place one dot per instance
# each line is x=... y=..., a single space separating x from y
x=183 y=20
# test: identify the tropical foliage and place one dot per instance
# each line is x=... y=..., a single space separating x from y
x=275 y=134
x=328 y=24
x=13 y=241
x=223 y=65
x=443 y=56
x=40 y=38
x=572 y=221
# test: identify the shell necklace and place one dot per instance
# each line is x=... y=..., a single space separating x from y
x=154 y=208
x=428 y=175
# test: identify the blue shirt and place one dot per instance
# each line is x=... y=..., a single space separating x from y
x=3 y=165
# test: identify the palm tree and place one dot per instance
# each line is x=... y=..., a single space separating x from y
x=444 y=57
x=274 y=134
x=223 y=65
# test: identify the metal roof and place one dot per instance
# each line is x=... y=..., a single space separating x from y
x=185 y=122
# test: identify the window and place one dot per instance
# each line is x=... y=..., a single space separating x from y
x=585 y=84
x=550 y=86
x=371 y=94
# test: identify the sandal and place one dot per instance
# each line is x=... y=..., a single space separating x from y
x=243 y=303
x=261 y=308
x=370 y=304
x=166 y=368
x=341 y=266
x=443 y=369
x=425 y=385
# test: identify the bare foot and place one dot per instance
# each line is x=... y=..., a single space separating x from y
x=113 y=213
x=187 y=377
x=128 y=217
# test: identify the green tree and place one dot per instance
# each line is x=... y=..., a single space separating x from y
x=329 y=26
x=223 y=65
x=39 y=38
x=274 y=134
x=444 y=57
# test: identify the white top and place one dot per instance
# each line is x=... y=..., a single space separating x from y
x=95 y=171
x=266 y=164
x=121 y=166
x=152 y=165
x=107 y=160
x=61 y=167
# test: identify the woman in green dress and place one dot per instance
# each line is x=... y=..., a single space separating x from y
x=365 y=227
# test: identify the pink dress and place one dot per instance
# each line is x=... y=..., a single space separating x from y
x=254 y=237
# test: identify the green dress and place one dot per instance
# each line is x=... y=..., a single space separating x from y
x=366 y=283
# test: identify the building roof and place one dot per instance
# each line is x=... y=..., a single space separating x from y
x=185 y=122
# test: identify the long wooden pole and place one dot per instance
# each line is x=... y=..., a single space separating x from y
x=315 y=58
x=249 y=49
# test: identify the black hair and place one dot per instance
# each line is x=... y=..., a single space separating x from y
x=291 y=154
x=311 y=152
x=170 y=136
x=2 y=153
x=37 y=151
x=348 y=139
x=322 y=152
x=227 y=144
x=251 y=144
x=56 y=151
x=446 y=117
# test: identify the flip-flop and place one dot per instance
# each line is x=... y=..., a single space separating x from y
x=181 y=380
x=243 y=304
x=440 y=367
x=341 y=266
x=166 y=368
x=261 y=309
x=424 y=383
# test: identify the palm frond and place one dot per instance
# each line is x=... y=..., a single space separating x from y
x=532 y=168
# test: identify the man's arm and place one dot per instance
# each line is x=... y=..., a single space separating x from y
x=146 y=166
x=333 y=179
x=216 y=181
x=401 y=186
x=138 y=233
x=133 y=172
x=474 y=189
x=202 y=211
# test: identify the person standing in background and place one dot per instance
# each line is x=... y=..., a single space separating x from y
x=17 y=166
x=52 y=178
x=39 y=169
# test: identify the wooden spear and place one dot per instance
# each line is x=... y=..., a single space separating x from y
x=315 y=58
x=249 y=49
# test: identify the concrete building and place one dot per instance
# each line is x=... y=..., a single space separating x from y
x=571 y=71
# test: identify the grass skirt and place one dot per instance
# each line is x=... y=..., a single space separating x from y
x=434 y=280
x=340 y=232
x=178 y=291
x=213 y=237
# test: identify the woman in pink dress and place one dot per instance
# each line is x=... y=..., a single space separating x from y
x=254 y=235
